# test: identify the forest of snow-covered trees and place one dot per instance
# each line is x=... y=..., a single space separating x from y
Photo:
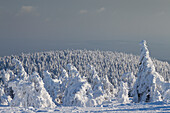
x=82 y=78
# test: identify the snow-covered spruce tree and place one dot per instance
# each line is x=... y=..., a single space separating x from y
x=109 y=89
x=123 y=93
x=30 y=92
x=72 y=71
x=64 y=75
x=52 y=86
x=130 y=79
x=21 y=74
x=43 y=98
x=79 y=91
x=11 y=74
x=5 y=76
x=63 y=78
x=4 y=99
x=148 y=86
x=97 y=86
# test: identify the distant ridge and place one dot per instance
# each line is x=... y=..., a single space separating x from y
x=164 y=60
x=168 y=62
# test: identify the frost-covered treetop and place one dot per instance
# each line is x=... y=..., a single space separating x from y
x=92 y=69
x=72 y=70
x=64 y=72
x=18 y=65
x=144 y=48
x=145 y=60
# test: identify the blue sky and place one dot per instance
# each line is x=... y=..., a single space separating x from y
x=116 y=25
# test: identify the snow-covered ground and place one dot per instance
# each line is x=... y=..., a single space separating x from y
x=109 y=107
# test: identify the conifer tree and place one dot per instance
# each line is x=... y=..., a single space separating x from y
x=30 y=92
x=146 y=87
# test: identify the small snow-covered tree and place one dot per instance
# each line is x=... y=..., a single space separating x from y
x=146 y=87
x=21 y=74
x=63 y=78
x=130 y=79
x=64 y=75
x=30 y=92
x=5 y=76
x=78 y=91
x=52 y=86
x=97 y=86
x=41 y=97
x=79 y=94
x=123 y=93
x=5 y=92
x=109 y=89
x=72 y=71
x=11 y=74
x=4 y=99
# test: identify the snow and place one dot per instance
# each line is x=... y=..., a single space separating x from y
x=86 y=88
x=21 y=74
x=96 y=84
x=123 y=93
x=78 y=91
x=166 y=96
x=105 y=108
x=30 y=93
x=27 y=91
x=5 y=76
x=52 y=86
x=72 y=71
x=4 y=100
x=109 y=89
x=130 y=79
x=150 y=85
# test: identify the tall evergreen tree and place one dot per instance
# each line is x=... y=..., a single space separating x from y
x=147 y=87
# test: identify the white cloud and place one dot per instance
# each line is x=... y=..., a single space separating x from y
x=26 y=9
x=94 y=11
x=83 y=11
x=101 y=10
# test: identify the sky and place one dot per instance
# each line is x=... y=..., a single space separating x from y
x=30 y=26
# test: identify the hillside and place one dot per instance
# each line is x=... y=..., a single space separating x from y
x=83 y=78
x=109 y=63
